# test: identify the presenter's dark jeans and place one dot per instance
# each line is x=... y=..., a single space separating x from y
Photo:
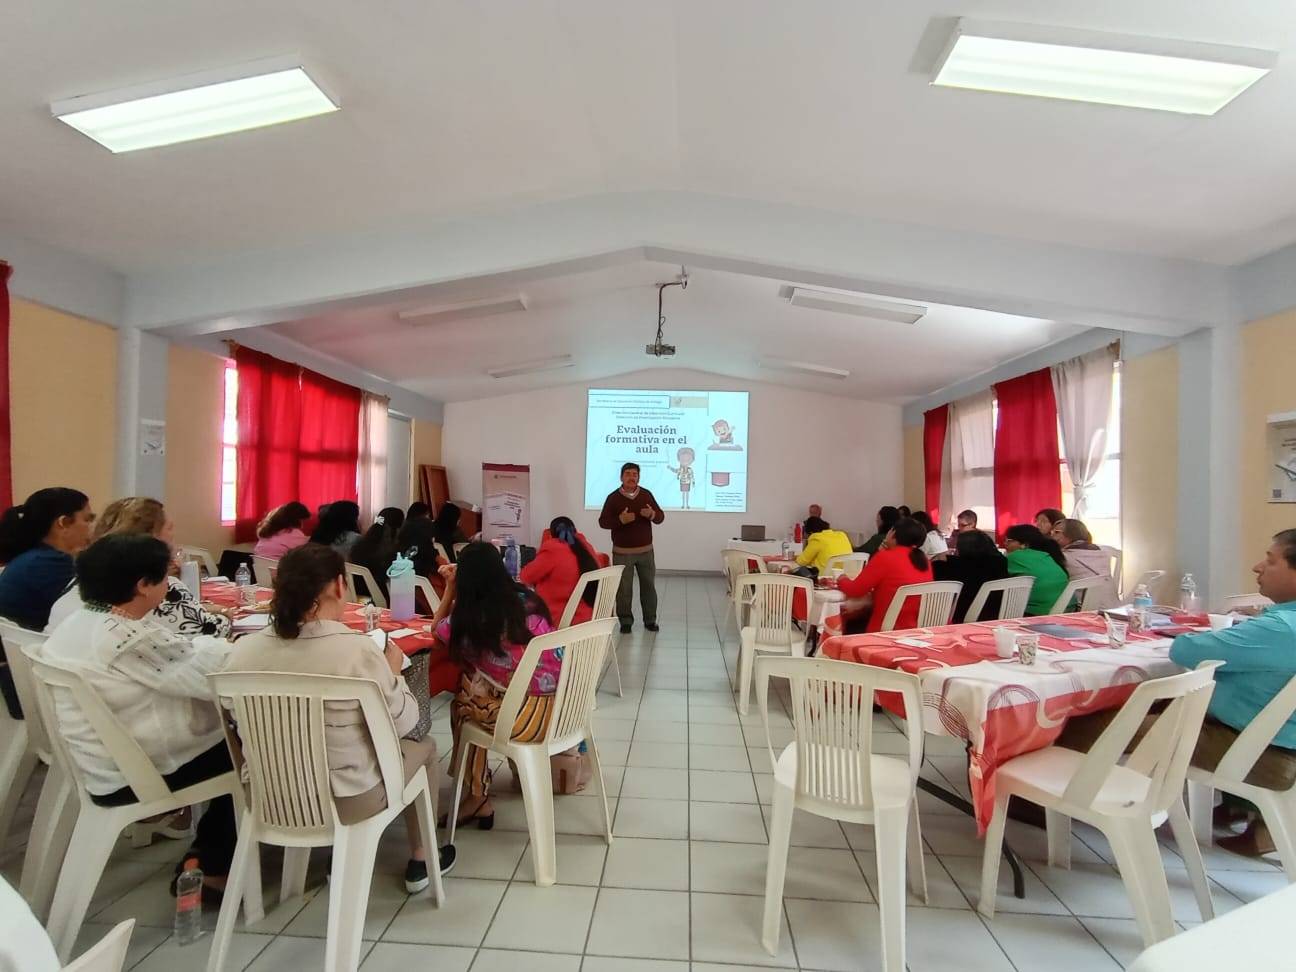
x=646 y=565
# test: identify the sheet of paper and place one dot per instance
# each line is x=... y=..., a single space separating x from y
x=402 y=633
x=252 y=621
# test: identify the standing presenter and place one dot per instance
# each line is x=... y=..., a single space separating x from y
x=629 y=513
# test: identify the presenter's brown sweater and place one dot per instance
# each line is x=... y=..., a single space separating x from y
x=636 y=536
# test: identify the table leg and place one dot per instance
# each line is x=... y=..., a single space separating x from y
x=958 y=803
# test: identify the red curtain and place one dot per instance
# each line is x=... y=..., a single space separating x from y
x=935 y=426
x=269 y=417
x=1027 y=466
x=329 y=443
x=6 y=460
x=299 y=438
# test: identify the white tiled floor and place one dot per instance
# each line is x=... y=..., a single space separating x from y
x=681 y=888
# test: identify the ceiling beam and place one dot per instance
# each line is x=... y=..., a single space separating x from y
x=1075 y=285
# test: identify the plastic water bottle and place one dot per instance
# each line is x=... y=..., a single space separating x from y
x=1141 y=609
x=512 y=558
x=188 y=913
x=243 y=578
x=400 y=585
x=1188 y=600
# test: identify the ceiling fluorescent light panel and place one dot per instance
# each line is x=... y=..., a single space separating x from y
x=463 y=310
x=882 y=310
x=806 y=367
x=197 y=106
x=1107 y=69
x=532 y=367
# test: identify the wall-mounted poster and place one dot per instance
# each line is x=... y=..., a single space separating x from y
x=1282 y=458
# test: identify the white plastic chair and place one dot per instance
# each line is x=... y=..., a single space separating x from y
x=1125 y=801
x=770 y=629
x=56 y=808
x=97 y=827
x=585 y=648
x=108 y=954
x=1149 y=579
x=421 y=583
x=264 y=570
x=201 y=554
x=1238 y=602
x=1082 y=586
x=935 y=605
x=1016 y=592
x=1277 y=807
x=851 y=564
x=829 y=769
x=738 y=563
x=22 y=746
x=607 y=580
x=441 y=551
x=1115 y=562
x=458 y=547
x=280 y=720
x=354 y=571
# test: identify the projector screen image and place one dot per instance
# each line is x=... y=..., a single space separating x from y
x=691 y=446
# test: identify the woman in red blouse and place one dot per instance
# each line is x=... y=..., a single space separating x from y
x=898 y=562
x=563 y=557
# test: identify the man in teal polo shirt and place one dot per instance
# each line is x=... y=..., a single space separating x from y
x=1259 y=656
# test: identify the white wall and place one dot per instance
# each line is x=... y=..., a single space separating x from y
x=804 y=447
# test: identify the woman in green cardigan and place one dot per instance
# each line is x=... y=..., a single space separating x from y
x=1031 y=553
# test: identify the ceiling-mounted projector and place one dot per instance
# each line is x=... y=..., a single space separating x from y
x=659 y=349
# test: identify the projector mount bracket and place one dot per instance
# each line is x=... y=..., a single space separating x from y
x=658 y=349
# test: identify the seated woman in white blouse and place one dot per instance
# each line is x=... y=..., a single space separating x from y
x=153 y=680
x=179 y=611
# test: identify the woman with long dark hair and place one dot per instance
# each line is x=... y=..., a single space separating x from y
x=445 y=530
x=339 y=527
x=563 y=557
x=281 y=530
x=38 y=541
x=377 y=548
x=307 y=636
x=1031 y=553
x=486 y=620
x=899 y=562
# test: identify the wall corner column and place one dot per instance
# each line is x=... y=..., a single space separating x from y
x=142 y=398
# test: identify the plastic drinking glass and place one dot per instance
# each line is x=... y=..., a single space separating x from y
x=1219 y=622
x=1117 y=632
x=1027 y=648
x=1005 y=642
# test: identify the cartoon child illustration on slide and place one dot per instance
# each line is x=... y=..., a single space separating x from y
x=724 y=436
x=684 y=472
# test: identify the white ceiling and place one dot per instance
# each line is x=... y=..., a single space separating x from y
x=459 y=107
x=723 y=323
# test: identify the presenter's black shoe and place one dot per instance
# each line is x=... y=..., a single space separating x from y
x=651 y=627
x=626 y=628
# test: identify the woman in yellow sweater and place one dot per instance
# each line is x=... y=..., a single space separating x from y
x=822 y=543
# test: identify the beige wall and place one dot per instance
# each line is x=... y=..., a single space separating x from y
x=1268 y=363
x=195 y=406
x=1150 y=453
x=63 y=394
x=427 y=452
x=914 y=484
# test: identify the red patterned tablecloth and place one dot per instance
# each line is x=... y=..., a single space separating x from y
x=999 y=706
x=226 y=594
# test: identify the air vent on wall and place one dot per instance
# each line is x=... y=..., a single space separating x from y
x=463 y=310
x=842 y=303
